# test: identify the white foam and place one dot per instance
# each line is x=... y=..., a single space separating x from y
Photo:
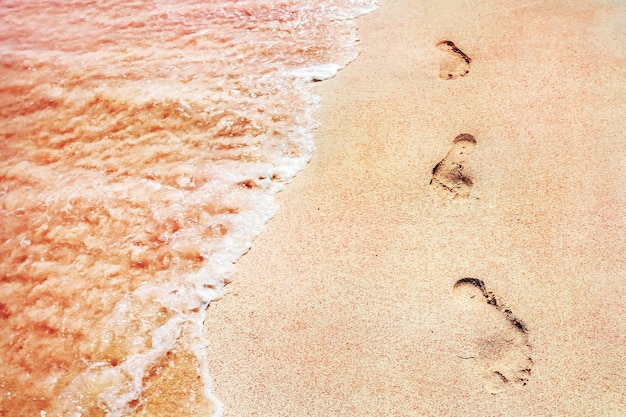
x=316 y=72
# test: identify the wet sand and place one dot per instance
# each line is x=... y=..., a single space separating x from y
x=374 y=293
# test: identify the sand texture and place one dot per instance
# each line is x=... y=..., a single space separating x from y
x=493 y=285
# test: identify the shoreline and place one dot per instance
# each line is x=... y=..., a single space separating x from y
x=347 y=303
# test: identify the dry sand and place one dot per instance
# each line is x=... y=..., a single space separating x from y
x=346 y=304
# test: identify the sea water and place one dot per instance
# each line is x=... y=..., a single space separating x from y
x=142 y=142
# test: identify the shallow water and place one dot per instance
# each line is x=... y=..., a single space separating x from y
x=142 y=144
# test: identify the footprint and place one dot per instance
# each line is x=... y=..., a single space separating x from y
x=450 y=177
x=499 y=340
x=457 y=66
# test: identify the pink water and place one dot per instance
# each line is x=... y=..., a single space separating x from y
x=141 y=145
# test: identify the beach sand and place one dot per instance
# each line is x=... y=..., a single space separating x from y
x=353 y=301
